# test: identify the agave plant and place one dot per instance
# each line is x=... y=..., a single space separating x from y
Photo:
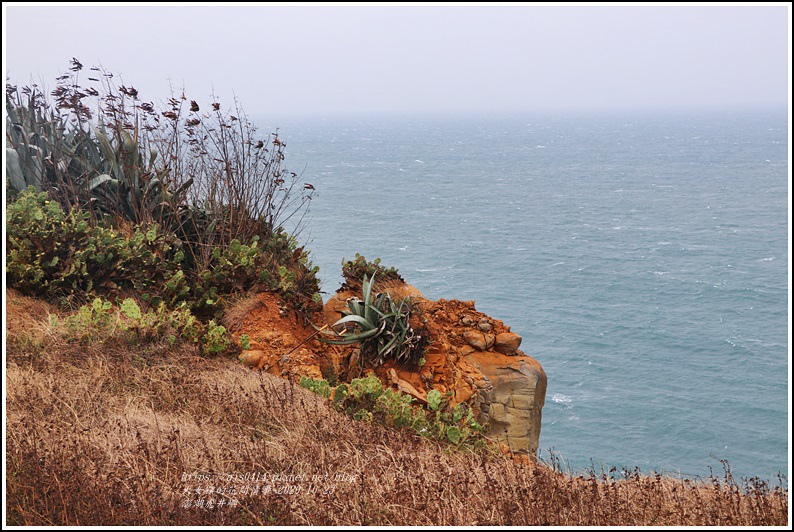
x=36 y=139
x=381 y=325
x=80 y=162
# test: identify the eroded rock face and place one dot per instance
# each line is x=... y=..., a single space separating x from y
x=512 y=399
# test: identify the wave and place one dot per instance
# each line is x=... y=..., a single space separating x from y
x=560 y=398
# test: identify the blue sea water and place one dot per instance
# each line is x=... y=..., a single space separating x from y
x=643 y=258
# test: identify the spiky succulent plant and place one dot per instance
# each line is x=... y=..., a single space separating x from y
x=381 y=325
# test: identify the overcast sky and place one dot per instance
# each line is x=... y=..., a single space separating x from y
x=414 y=59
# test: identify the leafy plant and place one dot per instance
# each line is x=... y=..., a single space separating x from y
x=85 y=158
x=171 y=323
x=361 y=268
x=434 y=399
x=245 y=342
x=382 y=326
x=366 y=389
x=62 y=254
x=217 y=192
x=131 y=309
x=340 y=393
x=365 y=399
x=320 y=387
x=91 y=322
x=215 y=339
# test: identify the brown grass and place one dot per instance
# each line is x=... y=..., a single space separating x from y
x=109 y=434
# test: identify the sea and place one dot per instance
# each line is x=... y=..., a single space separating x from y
x=643 y=257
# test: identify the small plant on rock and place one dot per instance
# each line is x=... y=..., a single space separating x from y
x=382 y=326
x=361 y=268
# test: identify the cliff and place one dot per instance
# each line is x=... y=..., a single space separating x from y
x=472 y=358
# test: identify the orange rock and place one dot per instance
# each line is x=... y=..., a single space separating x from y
x=251 y=357
x=479 y=340
x=507 y=342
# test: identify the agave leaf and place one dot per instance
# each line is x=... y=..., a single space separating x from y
x=366 y=289
x=361 y=336
x=388 y=347
x=341 y=341
x=98 y=180
x=382 y=314
x=351 y=338
x=14 y=171
x=357 y=319
x=355 y=307
x=127 y=143
x=107 y=151
x=34 y=176
x=369 y=306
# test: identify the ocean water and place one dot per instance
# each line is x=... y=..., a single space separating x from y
x=643 y=258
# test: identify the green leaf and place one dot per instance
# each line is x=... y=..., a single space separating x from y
x=131 y=309
x=350 y=338
x=98 y=180
x=340 y=393
x=434 y=399
x=357 y=319
x=16 y=179
x=453 y=434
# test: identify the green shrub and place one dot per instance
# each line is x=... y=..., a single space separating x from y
x=207 y=176
x=245 y=342
x=434 y=399
x=170 y=323
x=101 y=319
x=319 y=387
x=366 y=389
x=208 y=199
x=92 y=322
x=365 y=399
x=359 y=268
x=396 y=408
x=60 y=255
x=131 y=309
x=215 y=339
x=340 y=393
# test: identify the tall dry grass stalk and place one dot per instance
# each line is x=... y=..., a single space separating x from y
x=111 y=434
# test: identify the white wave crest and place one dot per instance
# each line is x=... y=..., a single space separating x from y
x=560 y=398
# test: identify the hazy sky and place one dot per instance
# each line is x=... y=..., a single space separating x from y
x=404 y=59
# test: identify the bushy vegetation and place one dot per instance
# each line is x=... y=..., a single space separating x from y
x=61 y=255
x=353 y=271
x=109 y=194
x=101 y=321
x=365 y=399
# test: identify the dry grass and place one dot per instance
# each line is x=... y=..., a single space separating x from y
x=108 y=435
